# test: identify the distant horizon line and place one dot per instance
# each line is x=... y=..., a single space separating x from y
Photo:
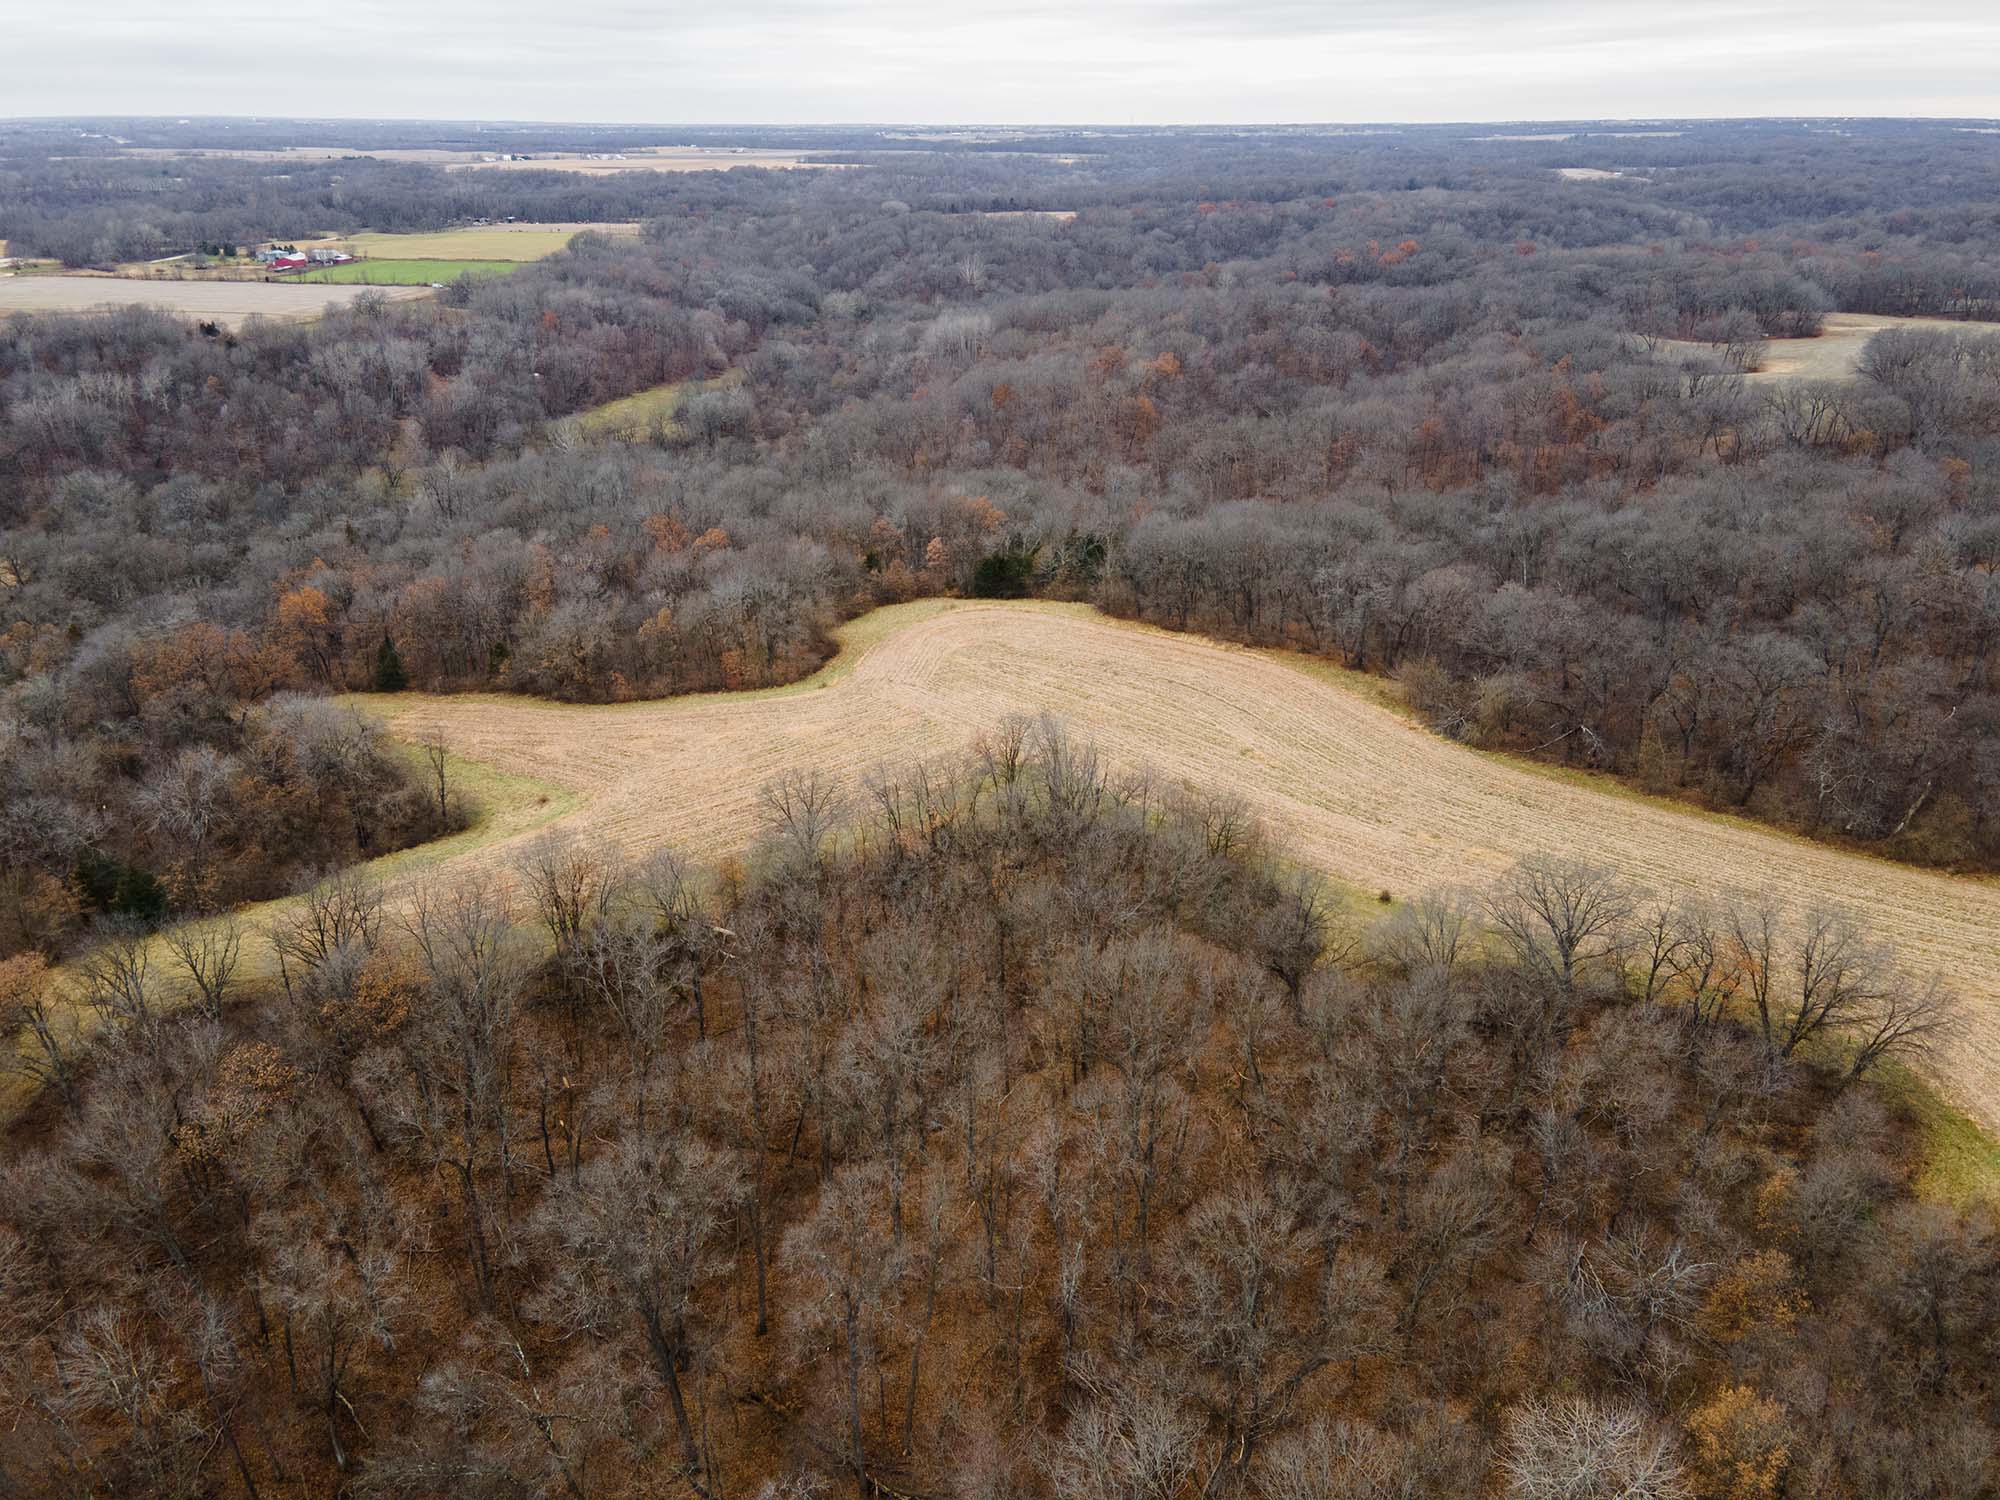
x=968 y=125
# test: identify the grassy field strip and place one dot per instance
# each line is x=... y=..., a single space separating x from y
x=643 y=413
x=404 y=272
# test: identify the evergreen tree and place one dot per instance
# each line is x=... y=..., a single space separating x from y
x=390 y=677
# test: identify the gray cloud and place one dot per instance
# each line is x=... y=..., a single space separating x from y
x=1117 y=61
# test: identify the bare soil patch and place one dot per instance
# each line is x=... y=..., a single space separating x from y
x=1342 y=783
x=229 y=303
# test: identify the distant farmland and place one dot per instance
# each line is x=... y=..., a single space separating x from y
x=651 y=159
x=633 y=159
x=229 y=303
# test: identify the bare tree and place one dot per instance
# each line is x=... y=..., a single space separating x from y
x=437 y=768
x=207 y=951
x=570 y=884
x=1131 y=1442
x=106 y=1366
x=340 y=913
x=847 y=1263
x=624 y=969
x=333 y=1301
x=633 y=1243
x=1248 y=1349
x=1298 y=933
x=1557 y=915
x=1455 y=1218
x=117 y=981
x=803 y=810
x=1905 y=1021
x=1656 y=945
x=664 y=887
x=38 y=1031
x=1431 y=931
x=1810 y=977
x=1437 y=1453
x=1573 y=1448
x=461 y=1050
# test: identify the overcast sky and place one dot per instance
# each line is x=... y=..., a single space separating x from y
x=1121 y=62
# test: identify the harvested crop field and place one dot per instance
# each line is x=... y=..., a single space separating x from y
x=479 y=241
x=1342 y=782
x=1836 y=353
x=229 y=303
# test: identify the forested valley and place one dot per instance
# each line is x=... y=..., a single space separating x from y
x=1414 y=405
x=1013 y=1125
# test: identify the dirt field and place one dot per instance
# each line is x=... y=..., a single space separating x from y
x=1836 y=353
x=229 y=303
x=1343 y=783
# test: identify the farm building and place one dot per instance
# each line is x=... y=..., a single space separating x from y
x=291 y=258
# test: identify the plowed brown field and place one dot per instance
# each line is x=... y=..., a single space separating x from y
x=1341 y=782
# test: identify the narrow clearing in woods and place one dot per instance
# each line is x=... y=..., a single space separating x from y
x=1340 y=782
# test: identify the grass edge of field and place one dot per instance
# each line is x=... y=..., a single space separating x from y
x=636 y=417
x=501 y=805
x=406 y=271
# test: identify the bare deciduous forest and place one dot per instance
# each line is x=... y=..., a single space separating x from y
x=1001 y=1127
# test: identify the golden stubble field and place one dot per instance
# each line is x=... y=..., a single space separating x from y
x=1836 y=353
x=1343 y=783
